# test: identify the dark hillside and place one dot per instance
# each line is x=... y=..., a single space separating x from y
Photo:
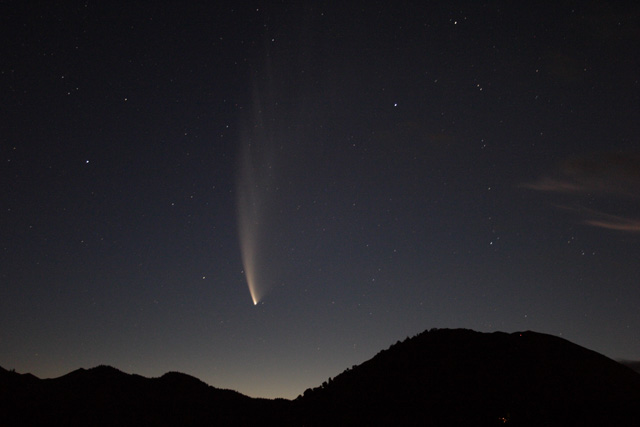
x=440 y=377
x=635 y=365
x=106 y=396
x=461 y=376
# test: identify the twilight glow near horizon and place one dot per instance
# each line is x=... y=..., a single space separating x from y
x=368 y=170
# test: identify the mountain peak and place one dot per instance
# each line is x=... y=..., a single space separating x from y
x=438 y=377
x=480 y=377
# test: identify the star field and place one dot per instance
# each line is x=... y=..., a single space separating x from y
x=391 y=168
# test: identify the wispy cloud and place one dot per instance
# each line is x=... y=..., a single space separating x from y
x=555 y=185
x=602 y=176
x=615 y=222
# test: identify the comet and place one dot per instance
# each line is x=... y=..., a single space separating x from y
x=250 y=216
x=255 y=183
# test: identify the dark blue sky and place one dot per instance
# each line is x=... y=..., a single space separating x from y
x=406 y=166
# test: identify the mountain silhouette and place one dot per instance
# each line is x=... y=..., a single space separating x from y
x=439 y=377
x=633 y=364
x=107 y=396
x=462 y=377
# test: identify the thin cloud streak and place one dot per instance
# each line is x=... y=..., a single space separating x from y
x=616 y=223
x=605 y=175
x=555 y=185
x=614 y=174
x=601 y=219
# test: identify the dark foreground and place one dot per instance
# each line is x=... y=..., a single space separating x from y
x=440 y=377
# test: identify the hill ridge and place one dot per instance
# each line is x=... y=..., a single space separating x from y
x=440 y=376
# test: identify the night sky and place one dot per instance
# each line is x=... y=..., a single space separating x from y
x=372 y=169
